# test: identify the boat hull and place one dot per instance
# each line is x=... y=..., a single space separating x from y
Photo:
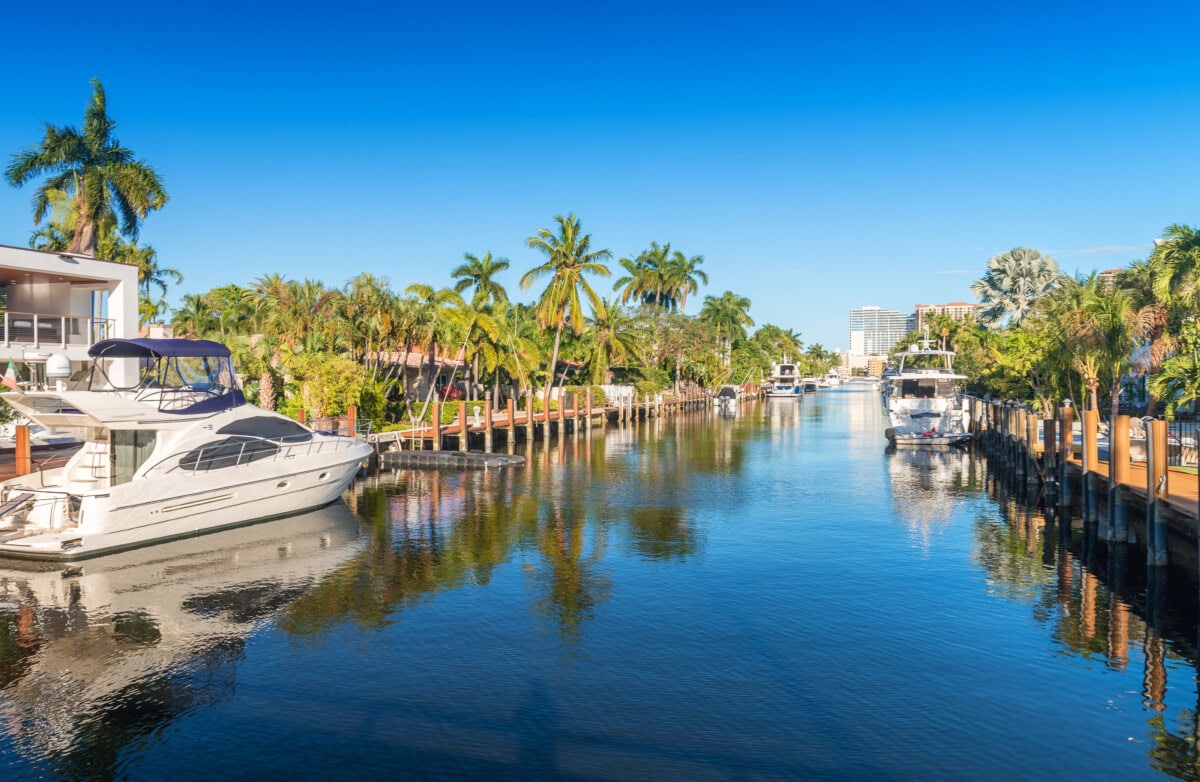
x=146 y=515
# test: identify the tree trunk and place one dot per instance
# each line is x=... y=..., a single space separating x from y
x=553 y=365
x=266 y=390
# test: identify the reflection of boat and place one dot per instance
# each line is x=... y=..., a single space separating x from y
x=922 y=399
x=172 y=449
x=925 y=483
x=782 y=381
x=83 y=643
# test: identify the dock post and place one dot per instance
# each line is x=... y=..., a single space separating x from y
x=562 y=415
x=1118 y=478
x=24 y=460
x=464 y=427
x=510 y=433
x=529 y=417
x=1091 y=472
x=436 y=421
x=1066 y=447
x=1156 y=492
x=1050 y=455
x=351 y=419
x=587 y=429
x=1031 y=471
x=487 y=427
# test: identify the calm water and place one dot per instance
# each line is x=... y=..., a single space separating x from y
x=771 y=596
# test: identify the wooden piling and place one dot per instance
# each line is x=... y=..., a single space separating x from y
x=1031 y=471
x=464 y=427
x=351 y=419
x=587 y=430
x=436 y=408
x=24 y=456
x=1050 y=453
x=510 y=434
x=529 y=418
x=1118 y=478
x=1156 y=492
x=1066 y=447
x=487 y=427
x=1091 y=470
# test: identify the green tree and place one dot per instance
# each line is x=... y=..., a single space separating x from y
x=729 y=315
x=478 y=274
x=685 y=276
x=1014 y=281
x=105 y=181
x=569 y=258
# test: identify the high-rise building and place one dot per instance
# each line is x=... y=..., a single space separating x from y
x=874 y=331
x=958 y=310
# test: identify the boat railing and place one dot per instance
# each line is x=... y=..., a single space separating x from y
x=240 y=450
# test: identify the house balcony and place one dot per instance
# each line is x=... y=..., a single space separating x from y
x=45 y=331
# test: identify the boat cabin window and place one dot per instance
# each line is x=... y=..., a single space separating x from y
x=925 y=389
x=129 y=450
x=230 y=452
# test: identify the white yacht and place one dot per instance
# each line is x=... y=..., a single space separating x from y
x=783 y=381
x=172 y=449
x=922 y=399
x=832 y=379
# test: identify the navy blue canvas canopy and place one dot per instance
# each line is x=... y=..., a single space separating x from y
x=157 y=348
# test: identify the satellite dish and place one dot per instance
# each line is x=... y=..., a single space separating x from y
x=58 y=367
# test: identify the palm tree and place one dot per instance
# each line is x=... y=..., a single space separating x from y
x=729 y=315
x=105 y=180
x=194 y=318
x=1179 y=380
x=478 y=274
x=685 y=276
x=433 y=324
x=638 y=282
x=1014 y=281
x=611 y=338
x=569 y=257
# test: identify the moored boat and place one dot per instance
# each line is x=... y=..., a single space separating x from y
x=172 y=449
x=783 y=381
x=922 y=399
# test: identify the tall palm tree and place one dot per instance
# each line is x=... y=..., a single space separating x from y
x=729 y=315
x=1013 y=282
x=639 y=281
x=105 y=180
x=479 y=275
x=435 y=325
x=685 y=276
x=194 y=318
x=569 y=258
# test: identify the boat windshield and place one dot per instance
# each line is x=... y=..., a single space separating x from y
x=933 y=361
x=183 y=380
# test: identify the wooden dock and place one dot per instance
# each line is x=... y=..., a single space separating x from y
x=1045 y=451
x=476 y=423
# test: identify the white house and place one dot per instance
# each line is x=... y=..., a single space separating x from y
x=61 y=303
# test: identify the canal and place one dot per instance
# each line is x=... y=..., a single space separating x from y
x=771 y=595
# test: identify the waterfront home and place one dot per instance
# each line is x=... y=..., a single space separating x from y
x=61 y=303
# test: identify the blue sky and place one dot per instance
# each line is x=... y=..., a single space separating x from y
x=820 y=157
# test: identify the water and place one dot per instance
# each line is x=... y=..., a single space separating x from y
x=771 y=596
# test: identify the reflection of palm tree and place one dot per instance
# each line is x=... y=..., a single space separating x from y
x=574 y=586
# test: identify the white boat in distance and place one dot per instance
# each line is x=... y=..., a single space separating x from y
x=172 y=450
x=783 y=383
x=922 y=400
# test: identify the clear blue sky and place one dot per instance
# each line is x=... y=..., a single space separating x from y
x=820 y=157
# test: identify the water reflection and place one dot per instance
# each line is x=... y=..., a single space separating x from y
x=98 y=655
x=925 y=484
x=1100 y=604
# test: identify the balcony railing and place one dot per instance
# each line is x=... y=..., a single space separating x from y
x=42 y=330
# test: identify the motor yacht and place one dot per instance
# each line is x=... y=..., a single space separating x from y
x=726 y=400
x=172 y=449
x=783 y=381
x=922 y=399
